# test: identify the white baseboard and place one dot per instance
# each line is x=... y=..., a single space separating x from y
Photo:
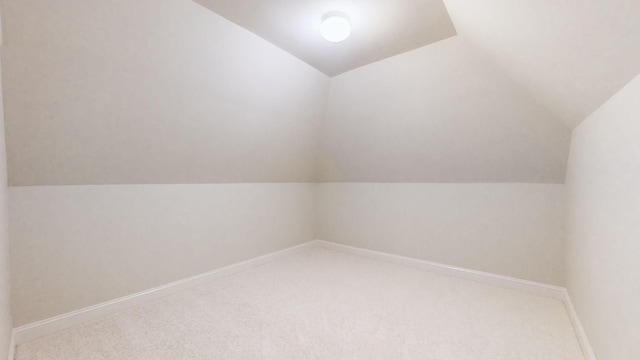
x=12 y=345
x=535 y=288
x=52 y=325
x=587 y=350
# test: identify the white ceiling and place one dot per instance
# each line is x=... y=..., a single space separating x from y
x=381 y=28
x=84 y=105
x=571 y=55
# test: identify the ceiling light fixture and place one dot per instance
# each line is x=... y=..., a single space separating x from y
x=335 y=26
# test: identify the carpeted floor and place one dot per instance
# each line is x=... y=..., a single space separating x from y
x=322 y=304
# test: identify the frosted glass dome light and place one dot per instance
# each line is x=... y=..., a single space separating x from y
x=335 y=27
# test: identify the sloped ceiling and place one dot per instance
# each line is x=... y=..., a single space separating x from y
x=151 y=92
x=167 y=91
x=381 y=28
x=571 y=55
x=440 y=113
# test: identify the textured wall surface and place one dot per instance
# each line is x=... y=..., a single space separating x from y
x=603 y=249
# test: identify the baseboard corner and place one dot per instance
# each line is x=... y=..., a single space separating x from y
x=583 y=340
x=12 y=345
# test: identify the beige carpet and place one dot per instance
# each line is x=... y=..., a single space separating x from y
x=322 y=304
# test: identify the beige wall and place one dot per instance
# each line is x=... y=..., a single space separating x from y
x=75 y=246
x=5 y=317
x=441 y=113
x=152 y=91
x=603 y=256
x=164 y=91
x=509 y=229
x=148 y=92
